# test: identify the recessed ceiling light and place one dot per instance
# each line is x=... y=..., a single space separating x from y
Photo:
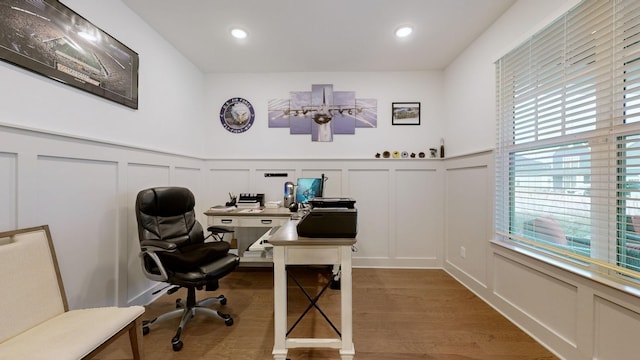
x=238 y=33
x=404 y=31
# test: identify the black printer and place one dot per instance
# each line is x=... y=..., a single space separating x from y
x=330 y=218
x=323 y=202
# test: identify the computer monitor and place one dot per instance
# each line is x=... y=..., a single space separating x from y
x=307 y=189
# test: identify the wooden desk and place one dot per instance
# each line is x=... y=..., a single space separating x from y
x=238 y=218
x=289 y=249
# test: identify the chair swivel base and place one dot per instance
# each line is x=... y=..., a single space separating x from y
x=188 y=310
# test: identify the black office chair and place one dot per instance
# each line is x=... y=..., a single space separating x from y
x=174 y=251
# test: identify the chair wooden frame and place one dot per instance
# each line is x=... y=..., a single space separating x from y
x=31 y=334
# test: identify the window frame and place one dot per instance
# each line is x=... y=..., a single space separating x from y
x=548 y=108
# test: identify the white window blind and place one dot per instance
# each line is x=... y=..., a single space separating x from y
x=568 y=141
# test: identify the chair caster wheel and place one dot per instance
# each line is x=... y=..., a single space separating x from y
x=223 y=301
x=228 y=320
x=145 y=326
x=177 y=346
x=178 y=303
x=335 y=284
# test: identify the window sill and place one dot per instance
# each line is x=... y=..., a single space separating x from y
x=617 y=283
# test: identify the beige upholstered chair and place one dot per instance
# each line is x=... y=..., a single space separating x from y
x=36 y=321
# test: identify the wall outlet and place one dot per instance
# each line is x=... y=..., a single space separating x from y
x=463 y=252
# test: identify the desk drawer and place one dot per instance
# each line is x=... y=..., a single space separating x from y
x=263 y=222
x=223 y=221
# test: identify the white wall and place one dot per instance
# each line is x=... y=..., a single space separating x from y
x=424 y=87
x=399 y=201
x=84 y=182
x=179 y=106
x=469 y=82
x=567 y=311
x=171 y=96
x=85 y=189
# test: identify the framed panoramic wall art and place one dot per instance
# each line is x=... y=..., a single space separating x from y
x=323 y=113
x=48 y=38
x=405 y=113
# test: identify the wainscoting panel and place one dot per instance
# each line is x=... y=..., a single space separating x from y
x=333 y=180
x=418 y=232
x=8 y=190
x=380 y=188
x=85 y=191
x=468 y=217
x=77 y=198
x=550 y=301
x=140 y=176
x=224 y=181
x=193 y=179
x=616 y=330
x=370 y=189
x=273 y=187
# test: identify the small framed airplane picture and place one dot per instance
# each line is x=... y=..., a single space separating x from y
x=405 y=113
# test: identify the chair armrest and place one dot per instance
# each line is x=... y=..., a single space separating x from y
x=149 y=249
x=215 y=231
x=150 y=254
x=219 y=229
x=157 y=245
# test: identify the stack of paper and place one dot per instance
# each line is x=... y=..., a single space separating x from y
x=272 y=204
x=221 y=208
x=248 y=204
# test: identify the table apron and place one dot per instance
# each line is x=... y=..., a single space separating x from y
x=312 y=255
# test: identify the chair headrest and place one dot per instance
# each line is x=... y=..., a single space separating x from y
x=165 y=201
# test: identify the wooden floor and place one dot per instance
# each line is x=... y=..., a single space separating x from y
x=397 y=315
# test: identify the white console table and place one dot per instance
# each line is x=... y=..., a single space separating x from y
x=289 y=249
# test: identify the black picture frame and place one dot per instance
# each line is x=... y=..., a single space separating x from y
x=405 y=113
x=48 y=38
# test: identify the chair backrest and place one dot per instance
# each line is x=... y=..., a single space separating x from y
x=167 y=214
x=30 y=279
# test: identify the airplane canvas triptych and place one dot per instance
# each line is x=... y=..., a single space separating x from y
x=323 y=113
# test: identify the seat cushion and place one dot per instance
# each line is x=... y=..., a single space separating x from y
x=192 y=257
x=70 y=335
x=208 y=274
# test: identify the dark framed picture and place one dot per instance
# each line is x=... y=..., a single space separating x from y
x=405 y=113
x=48 y=38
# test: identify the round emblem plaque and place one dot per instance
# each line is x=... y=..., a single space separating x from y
x=237 y=115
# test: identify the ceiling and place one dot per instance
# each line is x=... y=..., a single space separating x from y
x=320 y=35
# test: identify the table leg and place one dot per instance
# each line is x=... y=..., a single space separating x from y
x=347 y=351
x=279 y=303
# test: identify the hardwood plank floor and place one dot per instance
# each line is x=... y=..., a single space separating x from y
x=397 y=314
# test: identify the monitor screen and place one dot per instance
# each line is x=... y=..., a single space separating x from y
x=307 y=189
